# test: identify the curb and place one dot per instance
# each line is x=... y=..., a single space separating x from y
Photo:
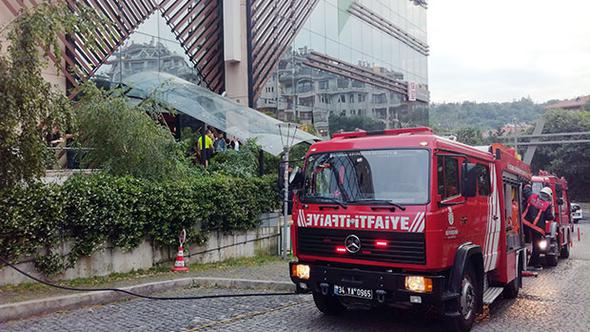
x=20 y=310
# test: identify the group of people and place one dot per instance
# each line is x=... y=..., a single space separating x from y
x=215 y=142
x=59 y=143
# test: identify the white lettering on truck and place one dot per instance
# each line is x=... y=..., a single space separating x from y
x=415 y=223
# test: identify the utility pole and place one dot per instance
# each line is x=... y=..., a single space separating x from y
x=287 y=132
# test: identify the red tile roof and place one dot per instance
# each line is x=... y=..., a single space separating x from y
x=569 y=104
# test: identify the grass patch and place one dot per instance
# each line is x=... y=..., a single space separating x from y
x=161 y=270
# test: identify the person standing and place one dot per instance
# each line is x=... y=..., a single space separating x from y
x=207 y=152
x=538 y=211
x=219 y=144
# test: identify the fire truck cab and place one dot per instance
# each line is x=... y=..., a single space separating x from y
x=406 y=218
x=558 y=232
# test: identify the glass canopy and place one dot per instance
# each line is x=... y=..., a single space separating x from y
x=211 y=108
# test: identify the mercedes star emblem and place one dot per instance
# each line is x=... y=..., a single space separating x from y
x=352 y=244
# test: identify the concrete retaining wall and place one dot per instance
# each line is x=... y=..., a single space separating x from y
x=108 y=259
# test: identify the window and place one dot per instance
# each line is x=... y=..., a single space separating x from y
x=400 y=176
x=483 y=180
x=351 y=97
x=323 y=85
x=357 y=84
x=380 y=98
x=342 y=83
x=362 y=97
x=448 y=176
x=558 y=190
x=342 y=98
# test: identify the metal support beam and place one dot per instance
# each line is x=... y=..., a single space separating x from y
x=529 y=144
x=530 y=151
x=577 y=133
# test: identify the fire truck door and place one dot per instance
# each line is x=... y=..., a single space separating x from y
x=512 y=215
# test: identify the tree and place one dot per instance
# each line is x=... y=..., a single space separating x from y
x=29 y=106
x=351 y=123
x=484 y=116
x=124 y=139
x=569 y=160
x=470 y=136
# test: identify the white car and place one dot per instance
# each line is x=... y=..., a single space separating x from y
x=577 y=214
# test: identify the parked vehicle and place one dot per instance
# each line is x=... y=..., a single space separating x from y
x=407 y=218
x=559 y=232
x=577 y=213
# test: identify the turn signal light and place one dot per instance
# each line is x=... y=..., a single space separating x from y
x=341 y=249
x=300 y=271
x=380 y=243
x=419 y=284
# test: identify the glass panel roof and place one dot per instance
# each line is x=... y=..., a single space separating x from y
x=211 y=108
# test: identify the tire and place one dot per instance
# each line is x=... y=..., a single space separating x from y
x=565 y=250
x=551 y=260
x=328 y=304
x=467 y=303
x=511 y=290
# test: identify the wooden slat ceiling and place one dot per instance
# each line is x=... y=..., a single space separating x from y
x=197 y=25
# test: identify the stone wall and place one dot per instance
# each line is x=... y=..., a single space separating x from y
x=108 y=259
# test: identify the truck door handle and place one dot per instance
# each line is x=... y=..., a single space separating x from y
x=463 y=220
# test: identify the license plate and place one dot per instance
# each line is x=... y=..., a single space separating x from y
x=353 y=292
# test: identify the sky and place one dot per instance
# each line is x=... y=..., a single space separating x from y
x=502 y=50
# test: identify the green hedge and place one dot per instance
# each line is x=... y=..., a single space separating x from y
x=89 y=210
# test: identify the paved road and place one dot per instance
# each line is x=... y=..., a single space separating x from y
x=558 y=300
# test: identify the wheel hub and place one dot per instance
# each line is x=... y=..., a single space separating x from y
x=467 y=300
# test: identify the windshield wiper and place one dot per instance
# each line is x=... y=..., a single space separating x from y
x=382 y=201
x=333 y=200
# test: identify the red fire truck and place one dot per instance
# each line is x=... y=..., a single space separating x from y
x=407 y=218
x=559 y=232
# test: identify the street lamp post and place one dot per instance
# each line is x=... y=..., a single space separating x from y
x=287 y=132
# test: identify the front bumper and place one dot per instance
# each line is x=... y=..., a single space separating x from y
x=389 y=287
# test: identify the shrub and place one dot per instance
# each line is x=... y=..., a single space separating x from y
x=91 y=209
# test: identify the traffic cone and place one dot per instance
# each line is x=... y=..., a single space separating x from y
x=179 y=265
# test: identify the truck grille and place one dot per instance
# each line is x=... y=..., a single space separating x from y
x=406 y=248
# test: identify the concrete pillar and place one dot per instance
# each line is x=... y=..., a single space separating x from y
x=235 y=50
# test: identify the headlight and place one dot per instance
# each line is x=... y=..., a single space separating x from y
x=300 y=271
x=543 y=244
x=419 y=284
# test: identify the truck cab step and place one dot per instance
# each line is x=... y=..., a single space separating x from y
x=491 y=294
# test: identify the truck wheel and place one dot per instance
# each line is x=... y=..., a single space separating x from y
x=327 y=304
x=565 y=250
x=511 y=290
x=551 y=260
x=467 y=303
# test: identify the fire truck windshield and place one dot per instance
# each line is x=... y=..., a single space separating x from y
x=396 y=175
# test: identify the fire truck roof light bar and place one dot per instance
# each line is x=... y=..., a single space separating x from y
x=389 y=132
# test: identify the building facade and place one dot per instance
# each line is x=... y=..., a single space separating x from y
x=299 y=60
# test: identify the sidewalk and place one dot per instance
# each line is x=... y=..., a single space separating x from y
x=253 y=268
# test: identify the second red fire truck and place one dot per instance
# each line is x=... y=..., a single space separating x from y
x=407 y=218
x=559 y=232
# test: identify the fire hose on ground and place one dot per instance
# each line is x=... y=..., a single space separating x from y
x=165 y=298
